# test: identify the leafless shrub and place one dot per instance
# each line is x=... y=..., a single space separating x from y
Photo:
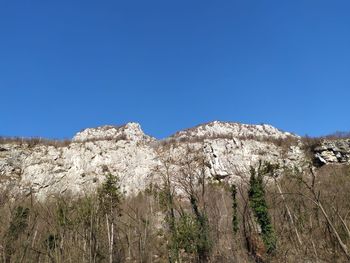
x=38 y=141
x=338 y=135
x=67 y=229
x=34 y=141
x=121 y=137
x=106 y=127
x=285 y=142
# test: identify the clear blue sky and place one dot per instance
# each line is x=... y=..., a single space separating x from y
x=67 y=65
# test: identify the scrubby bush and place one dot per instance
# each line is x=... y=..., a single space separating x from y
x=302 y=216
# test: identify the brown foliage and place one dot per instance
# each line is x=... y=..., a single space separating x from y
x=66 y=229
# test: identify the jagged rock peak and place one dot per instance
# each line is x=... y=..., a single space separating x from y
x=131 y=131
x=232 y=129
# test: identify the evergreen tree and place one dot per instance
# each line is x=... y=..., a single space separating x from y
x=110 y=198
x=259 y=206
x=233 y=190
x=203 y=241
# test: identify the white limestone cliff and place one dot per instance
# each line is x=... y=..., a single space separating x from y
x=79 y=167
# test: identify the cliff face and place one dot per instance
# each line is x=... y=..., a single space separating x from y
x=80 y=166
x=333 y=151
x=228 y=150
x=231 y=148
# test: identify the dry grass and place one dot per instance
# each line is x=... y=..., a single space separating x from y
x=35 y=141
x=338 y=135
x=285 y=143
x=121 y=137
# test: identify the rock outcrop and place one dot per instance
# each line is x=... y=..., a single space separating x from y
x=131 y=131
x=332 y=151
x=79 y=166
x=217 y=129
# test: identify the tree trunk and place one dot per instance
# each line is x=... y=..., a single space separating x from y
x=335 y=232
x=289 y=213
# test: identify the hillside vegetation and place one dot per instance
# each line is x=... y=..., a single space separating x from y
x=220 y=192
x=302 y=216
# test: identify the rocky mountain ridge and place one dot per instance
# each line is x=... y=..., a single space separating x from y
x=232 y=129
x=79 y=166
